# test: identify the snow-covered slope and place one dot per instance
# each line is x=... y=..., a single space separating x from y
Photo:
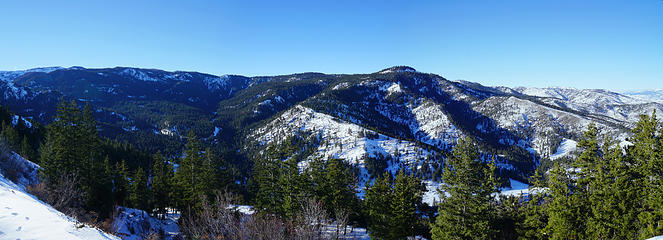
x=566 y=148
x=342 y=139
x=22 y=216
x=621 y=107
x=646 y=95
x=544 y=127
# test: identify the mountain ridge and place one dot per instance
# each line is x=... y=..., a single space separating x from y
x=520 y=125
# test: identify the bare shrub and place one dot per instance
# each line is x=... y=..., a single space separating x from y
x=9 y=166
x=263 y=226
x=65 y=196
x=311 y=220
x=215 y=221
x=342 y=217
x=38 y=190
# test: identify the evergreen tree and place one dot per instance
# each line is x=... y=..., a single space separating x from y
x=563 y=211
x=101 y=198
x=378 y=206
x=646 y=155
x=339 y=185
x=294 y=186
x=10 y=135
x=209 y=173
x=122 y=183
x=27 y=151
x=613 y=199
x=266 y=175
x=161 y=184
x=140 y=193
x=533 y=212
x=405 y=206
x=190 y=175
x=466 y=212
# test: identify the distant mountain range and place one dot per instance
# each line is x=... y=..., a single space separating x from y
x=412 y=118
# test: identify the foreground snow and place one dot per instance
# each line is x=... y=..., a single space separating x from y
x=22 y=216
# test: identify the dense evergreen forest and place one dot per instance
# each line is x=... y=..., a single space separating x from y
x=606 y=192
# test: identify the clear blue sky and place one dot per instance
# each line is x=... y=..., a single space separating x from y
x=582 y=44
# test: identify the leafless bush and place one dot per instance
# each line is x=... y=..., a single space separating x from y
x=311 y=220
x=38 y=190
x=65 y=195
x=342 y=217
x=215 y=221
x=9 y=166
x=263 y=227
x=221 y=221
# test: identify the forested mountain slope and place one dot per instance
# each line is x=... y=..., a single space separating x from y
x=423 y=113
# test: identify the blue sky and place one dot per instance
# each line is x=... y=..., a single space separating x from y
x=583 y=44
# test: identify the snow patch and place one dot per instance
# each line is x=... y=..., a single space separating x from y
x=136 y=224
x=567 y=147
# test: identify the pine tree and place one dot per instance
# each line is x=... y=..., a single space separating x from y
x=161 y=184
x=405 y=203
x=121 y=180
x=378 y=206
x=209 y=173
x=26 y=150
x=563 y=211
x=613 y=199
x=102 y=198
x=189 y=175
x=10 y=135
x=294 y=187
x=534 y=214
x=338 y=184
x=466 y=212
x=646 y=155
x=266 y=175
x=140 y=193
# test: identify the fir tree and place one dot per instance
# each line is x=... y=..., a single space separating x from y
x=466 y=212
x=405 y=206
x=266 y=175
x=10 y=135
x=161 y=184
x=378 y=206
x=140 y=193
x=26 y=150
x=533 y=212
x=646 y=155
x=339 y=185
x=121 y=180
x=294 y=187
x=190 y=175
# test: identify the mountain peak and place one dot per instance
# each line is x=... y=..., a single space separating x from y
x=396 y=69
